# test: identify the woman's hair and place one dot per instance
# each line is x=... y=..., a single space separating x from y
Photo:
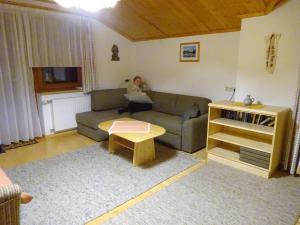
x=136 y=77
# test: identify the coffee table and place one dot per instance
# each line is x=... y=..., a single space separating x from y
x=142 y=144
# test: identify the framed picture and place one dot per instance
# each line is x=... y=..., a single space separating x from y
x=189 y=52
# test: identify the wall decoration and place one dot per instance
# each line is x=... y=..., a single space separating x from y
x=115 y=53
x=189 y=52
x=272 y=42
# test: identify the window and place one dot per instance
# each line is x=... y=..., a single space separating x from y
x=57 y=78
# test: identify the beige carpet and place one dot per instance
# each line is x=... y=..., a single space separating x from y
x=76 y=187
x=219 y=195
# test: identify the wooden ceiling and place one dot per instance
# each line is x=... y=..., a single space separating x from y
x=154 y=19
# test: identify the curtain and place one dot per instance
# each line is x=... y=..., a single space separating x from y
x=295 y=162
x=60 y=40
x=34 y=38
x=53 y=39
x=87 y=55
x=18 y=110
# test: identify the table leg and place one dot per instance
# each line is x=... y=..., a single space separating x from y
x=112 y=146
x=143 y=152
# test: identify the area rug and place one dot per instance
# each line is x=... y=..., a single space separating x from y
x=76 y=187
x=219 y=195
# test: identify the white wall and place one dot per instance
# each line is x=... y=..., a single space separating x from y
x=278 y=88
x=158 y=62
x=111 y=73
x=234 y=59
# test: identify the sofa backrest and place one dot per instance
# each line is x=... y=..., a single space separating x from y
x=177 y=104
x=163 y=102
x=108 y=99
x=184 y=102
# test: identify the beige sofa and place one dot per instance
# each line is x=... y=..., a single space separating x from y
x=189 y=135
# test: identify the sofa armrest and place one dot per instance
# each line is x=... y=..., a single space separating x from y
x=194 y=133
x=9 y=192
x=10 y=204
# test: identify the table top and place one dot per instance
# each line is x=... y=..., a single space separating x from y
x=155 y=131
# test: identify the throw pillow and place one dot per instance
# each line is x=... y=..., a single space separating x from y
x=191 y=112
x=138 y=98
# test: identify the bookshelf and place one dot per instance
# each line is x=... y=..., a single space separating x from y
x=246 y=138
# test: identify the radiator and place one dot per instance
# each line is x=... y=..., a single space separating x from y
x=65 y=109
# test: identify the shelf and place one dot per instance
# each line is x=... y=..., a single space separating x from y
x=244 y=126
x=242 y=140
x=230 y=155
x=123 y=142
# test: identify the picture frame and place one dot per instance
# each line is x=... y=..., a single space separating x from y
x=189 y=52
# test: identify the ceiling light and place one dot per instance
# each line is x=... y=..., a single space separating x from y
x=89 y=5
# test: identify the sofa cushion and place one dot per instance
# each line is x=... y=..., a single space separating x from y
x=171 y=123
x=97 y=135
x=108 y=99
x=146 y=116
x=185 y=102
x=93 y=118
x=163 y=102
x=139 y=98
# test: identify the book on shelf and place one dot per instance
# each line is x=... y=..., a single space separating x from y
x=256 y=163
x=253 y=118
x=256 y=159
x=253 y=152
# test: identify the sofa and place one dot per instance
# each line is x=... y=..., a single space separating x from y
x=167 y=111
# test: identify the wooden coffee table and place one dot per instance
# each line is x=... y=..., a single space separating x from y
x=142 y=144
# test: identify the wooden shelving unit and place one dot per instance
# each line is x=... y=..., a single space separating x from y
x=226 y=137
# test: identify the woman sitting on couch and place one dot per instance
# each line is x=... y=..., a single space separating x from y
x=138 y=99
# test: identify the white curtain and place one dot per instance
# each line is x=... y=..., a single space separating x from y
x=18 y=111
x=53 y=39
x=34 y=38
x=87 y=55
x=60 y=40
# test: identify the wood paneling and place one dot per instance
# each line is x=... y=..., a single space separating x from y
x=154 y=19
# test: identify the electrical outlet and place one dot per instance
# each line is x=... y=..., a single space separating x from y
x=230 y=89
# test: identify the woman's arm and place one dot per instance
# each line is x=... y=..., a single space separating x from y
x=145 y=87
x=133 y=89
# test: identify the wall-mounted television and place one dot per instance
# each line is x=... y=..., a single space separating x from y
x=48 y=79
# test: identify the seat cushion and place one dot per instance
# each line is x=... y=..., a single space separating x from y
x=147 y=116
x=171 y=123
x=93 y=118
